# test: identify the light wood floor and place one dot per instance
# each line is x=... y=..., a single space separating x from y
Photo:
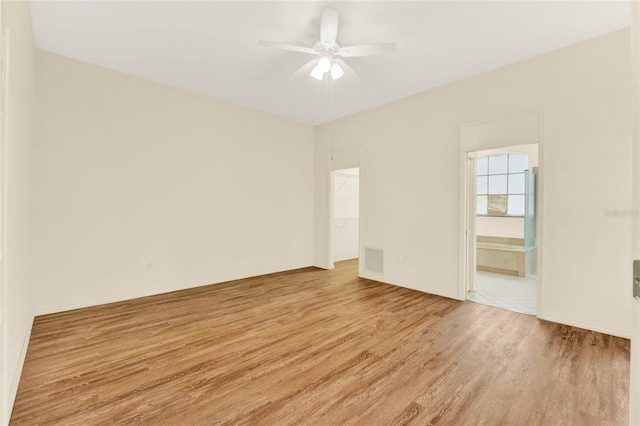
x=317 y=347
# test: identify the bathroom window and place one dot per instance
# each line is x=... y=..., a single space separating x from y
x=500 y=185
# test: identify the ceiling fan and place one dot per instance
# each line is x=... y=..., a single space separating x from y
x=329 y=52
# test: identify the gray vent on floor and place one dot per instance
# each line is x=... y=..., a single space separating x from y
x=373 y=260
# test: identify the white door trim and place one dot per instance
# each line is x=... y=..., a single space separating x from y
x=634 y=389
x=470 y=222
x=8 y=385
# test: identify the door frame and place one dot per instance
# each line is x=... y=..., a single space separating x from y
x=348 y=157
x=470 y=232
x=523 y=128
x=7 y=390
x=634 y=380
x=332 y=174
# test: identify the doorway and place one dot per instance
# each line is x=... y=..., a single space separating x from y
x=345 y=214
x=502 y=186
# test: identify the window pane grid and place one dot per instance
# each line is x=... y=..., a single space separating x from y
x=500 y=184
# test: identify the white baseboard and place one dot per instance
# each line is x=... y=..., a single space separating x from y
x=87 y=303
x=626 y=334
x=13 y=390
x=381 y=279
x=55 y=308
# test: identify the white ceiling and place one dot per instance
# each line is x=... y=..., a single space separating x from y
x=211 y=47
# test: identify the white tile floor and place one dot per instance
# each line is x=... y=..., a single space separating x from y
x=505 y=291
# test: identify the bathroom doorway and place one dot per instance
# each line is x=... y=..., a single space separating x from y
x=502 y=195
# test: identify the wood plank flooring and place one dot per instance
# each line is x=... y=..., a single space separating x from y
x=316 y=347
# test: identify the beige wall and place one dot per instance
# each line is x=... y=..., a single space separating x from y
x=201 y=191
x=17 y=156
x=583 y=91
x=204 y=191
x=504 y=227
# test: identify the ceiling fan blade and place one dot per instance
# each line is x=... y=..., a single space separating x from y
x=366 y=50
x=329 y=27
x=304 y=70
x=349 y=73
x=289 y=47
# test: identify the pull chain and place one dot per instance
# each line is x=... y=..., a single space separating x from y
x=331 y=116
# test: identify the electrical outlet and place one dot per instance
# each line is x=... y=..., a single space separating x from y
x=144 y=264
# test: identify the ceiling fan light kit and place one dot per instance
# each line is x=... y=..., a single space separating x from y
x=336 y=71
x=324 y=63
x=316 y=73
x=329 y=51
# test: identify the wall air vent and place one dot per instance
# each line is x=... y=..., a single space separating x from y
x=373 y=260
